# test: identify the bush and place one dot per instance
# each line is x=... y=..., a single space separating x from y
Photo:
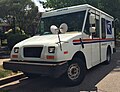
x=14 y=38
x=17 y=31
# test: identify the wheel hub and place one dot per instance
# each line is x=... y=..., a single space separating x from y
x=73 y=71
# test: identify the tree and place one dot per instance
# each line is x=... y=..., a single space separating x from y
x=24 y=12
x=111 y=7
x=55 y=4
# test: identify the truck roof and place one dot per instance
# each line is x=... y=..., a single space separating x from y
x=72 y=9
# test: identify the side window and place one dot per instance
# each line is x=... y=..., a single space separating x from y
x=42 y=27
x=113 y=24
x=97 y=28
x=87 y=25
x=109 y=27
x=96 y=25
x=103 y=28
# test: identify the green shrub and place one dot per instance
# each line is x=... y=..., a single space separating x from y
x=17 y=31
x=4 y=91
x=13 y=38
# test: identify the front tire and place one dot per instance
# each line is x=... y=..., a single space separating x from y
x=75 y=72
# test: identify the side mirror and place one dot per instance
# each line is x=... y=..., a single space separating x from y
x=92 y=19
x=92 y=30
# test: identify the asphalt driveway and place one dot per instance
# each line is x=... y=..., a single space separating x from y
x=102 y=78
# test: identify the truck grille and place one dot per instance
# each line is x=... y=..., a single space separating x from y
x=32 y=52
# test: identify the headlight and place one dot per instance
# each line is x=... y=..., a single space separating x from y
x=51 y=49
x=16 y=50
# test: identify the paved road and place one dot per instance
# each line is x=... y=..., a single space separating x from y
x=102 y=78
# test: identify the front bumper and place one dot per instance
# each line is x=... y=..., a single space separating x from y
x=53 y=70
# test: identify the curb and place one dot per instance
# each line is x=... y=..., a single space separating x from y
x=11 y=78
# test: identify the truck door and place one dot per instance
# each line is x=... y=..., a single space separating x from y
x=96 y=48
x=106 y=29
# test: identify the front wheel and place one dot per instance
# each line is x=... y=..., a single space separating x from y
x=75 y=72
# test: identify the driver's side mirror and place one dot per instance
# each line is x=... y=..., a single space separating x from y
x=92 y=30
x=92 y=23
x=92 y=19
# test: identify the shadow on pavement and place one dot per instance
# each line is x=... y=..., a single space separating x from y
x=93 y=77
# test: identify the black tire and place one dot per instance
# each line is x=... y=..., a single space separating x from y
x=108 y=57
x=75 y=73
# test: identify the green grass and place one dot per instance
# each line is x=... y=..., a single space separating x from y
x=4 y=91
x=5 y=73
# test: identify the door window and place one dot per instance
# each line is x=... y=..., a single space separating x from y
x=97 y=28
x=103 y=28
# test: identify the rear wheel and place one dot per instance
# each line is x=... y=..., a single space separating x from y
x=75 y=72
x=108 y=57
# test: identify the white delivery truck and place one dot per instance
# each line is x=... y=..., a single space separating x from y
x=72 y=40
